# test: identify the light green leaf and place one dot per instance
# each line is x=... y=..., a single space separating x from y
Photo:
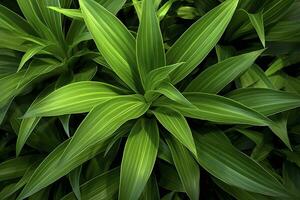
x=138 y=158
x=258 y=24
x=216 y=77
x=26 y=128
x=159 y=75
x=12 y=21
x=103 y=121
x=186 y=166
x=113 y=40
x=163 y=10
x=195 y=44
x=65 y=120
x=77 y=97
x=32 y=10
x=168 y=90
x=102 y=187
x=266 y=101
x=29 y=54
x=150 y=49
x=216 y=108
x=72 y=13
x=177 y=125
x=224 y=161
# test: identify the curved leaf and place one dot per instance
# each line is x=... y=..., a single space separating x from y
x=266 y=101
x=116 y=44
x=177 y=125
x=187 y=168
x=138 y=158
x=150 y=50
x=216 y=77
x=195 y=44
x=220 y=158
x=216 y=108
x=76 y=97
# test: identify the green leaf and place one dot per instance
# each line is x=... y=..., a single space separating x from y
x=195 y=44
x=186 y=166
x=72 y=13
x=55 y=169
x=266 y=101
x=159 y=75
x=113 y=40
x=258 y=24
x=216 y=109
x=239 y=193
x=32 y=10
x=225 y=162
x=102 y=187
x=216 y=77
x=12 y=85
x=138 y=158
x=12 y=21
x=65 y=120
x=25 y=130
x=74 y=178
x=29 y=54
x=13 y=188
x=169 y=178
x=76 y=97
x=151 y=190
x=168 y=90
x=163 y=10
x=177 y=125
x=150 y=49
x=16 y=167
x=103 y=121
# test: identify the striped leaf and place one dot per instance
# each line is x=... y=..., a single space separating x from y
x=258 y=24
x=195 y=44
x=12 y=21
x=216 y=77
x=216 y=108
x=171 y=92
x=53 y=166
x=159 y=75
x=225 y=162
x=113 y=40
x=102 y=187
x=186 y=167
x=177 y=125
x=14 y=84
x=74 y=179
x=138 y=158
x=103 y=121
x=151 y=190
x=150 y=50
x=16 y=167
x=77 y=97
x=266 y=101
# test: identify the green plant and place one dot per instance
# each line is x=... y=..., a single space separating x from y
x=173 y=118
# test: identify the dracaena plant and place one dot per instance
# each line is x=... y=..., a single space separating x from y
x=39 y=43
x=173 y=119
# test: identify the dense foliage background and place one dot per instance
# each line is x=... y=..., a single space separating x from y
x=149 y=99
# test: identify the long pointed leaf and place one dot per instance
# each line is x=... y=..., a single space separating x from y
x=195 y=44
x=138 y=158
